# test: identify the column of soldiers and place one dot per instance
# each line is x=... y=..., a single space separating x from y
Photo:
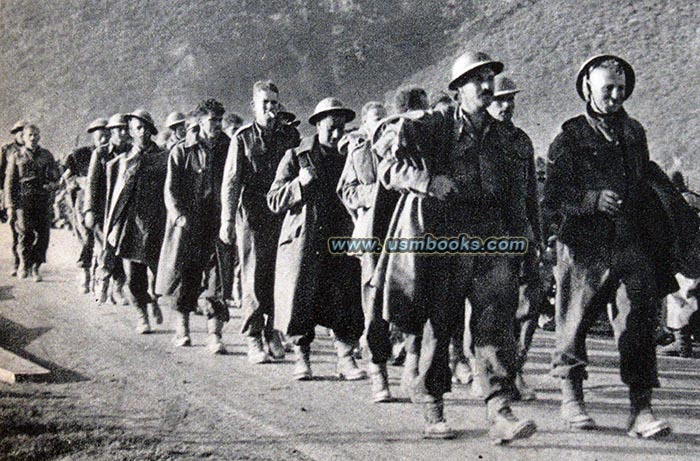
x=257 y=201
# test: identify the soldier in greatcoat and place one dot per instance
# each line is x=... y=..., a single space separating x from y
x=312 y=286
x=8 y=150
x=191 y=248
x=135 y=213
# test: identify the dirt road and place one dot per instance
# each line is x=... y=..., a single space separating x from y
x=114 y=394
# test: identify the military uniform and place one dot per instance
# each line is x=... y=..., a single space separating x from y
x=9 y=150
x=598 y=255
x=357 y=188
x=77 y=164
x=135 y=216
x=30 y=176
x=312 y=286
x=250 y=170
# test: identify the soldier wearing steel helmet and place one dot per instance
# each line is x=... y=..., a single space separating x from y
x=109 y=270
x=312 y=286
x=175 y=123
x=135 y=213
x=453 y=167
x=8 y=150
x=598 y=167
x=76 y=166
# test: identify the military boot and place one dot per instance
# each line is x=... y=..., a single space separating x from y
x=347 y=368
x=380 y=382
x=476 y=387
x=302 y=366
x=102 y=290
x=37 y=273
x=682 y=345
x=117 y=296
x=504 y=425
x=642 y=423
x=524 y=392
x=143 y=326
x=214 y=343
x=85 y=280
x=274 y=345
x=435 y=425
x=181 y=323
x=256 y=351
x=573 y=408
x=155 y=312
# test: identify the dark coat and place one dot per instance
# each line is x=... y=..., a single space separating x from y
x=419 y=146
x=313 y=287
x=96 y=185
x=135 y=212
x=193 y=201
x=583 y=162
x=6 y=152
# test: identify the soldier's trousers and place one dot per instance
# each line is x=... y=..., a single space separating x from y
x=137 y=281
x=33 y=227
x=490 y=286
x=583 y=280
x=257 y=254
x=529 y=305
x=15 y=241
x=376 y=327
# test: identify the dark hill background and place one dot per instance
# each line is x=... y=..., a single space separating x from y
x=66 y=62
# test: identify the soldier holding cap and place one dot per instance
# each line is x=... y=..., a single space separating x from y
x=255 y=152
x=32 y=174
x=596 y=185
x=191 y=246
x=175 y=123
x=454 y=169
x=135 y=212
x=8 y=150
x=531 y=290
x=109 y=267
x=312 y=286
x=75 y=173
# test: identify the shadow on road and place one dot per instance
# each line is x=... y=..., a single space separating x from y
x=15 y=337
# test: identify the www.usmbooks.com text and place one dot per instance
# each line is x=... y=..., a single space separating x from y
x=429 y=244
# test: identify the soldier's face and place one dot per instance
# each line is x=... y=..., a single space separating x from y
x=139 y=131
x=119 y=135
x=31 y=137
x=179 y=131
x=608 y=90
x=502 y=108
x=476 y=92
x=330 y=129
x=265 y=106
x=373 y=117
x=210 y=125
x=99 y=137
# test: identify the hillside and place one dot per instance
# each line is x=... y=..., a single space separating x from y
x=543 y=43
x=68 y=61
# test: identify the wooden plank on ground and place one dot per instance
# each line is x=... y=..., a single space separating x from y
x=14 y=368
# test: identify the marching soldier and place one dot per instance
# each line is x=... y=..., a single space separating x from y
x=76 y=170
x=312 y=286
x=8 y=150
x=191 y=246
x=108 y=266
x=531 y=292
x=595 y=184
x=255 y=152
x=175 y=123
x=454 y=168
x=31 y=176
x=135 y=213
x=357 y=189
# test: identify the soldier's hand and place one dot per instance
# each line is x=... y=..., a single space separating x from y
x=306 y=175
x=89 y=220
x=441 y=186
x=609 y=202
x=226 y=233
